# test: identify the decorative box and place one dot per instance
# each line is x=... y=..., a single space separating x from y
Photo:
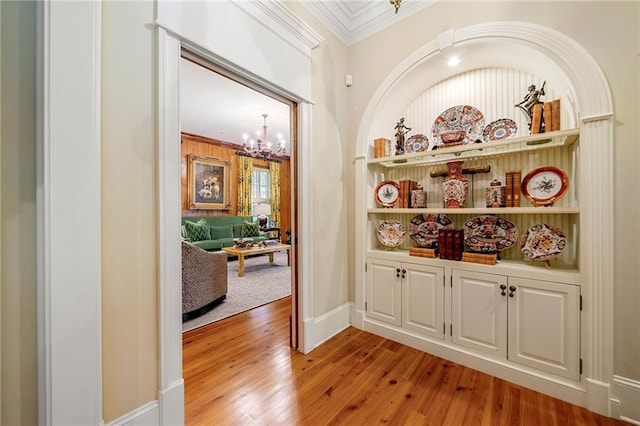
x=418 y=197
x=496 y=194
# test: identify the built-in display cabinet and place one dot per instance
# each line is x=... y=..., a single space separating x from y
x=547 y=327
x=517 y=312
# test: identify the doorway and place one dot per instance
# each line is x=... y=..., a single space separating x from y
x=220 y=114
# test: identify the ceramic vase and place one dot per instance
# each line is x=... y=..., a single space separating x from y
x=455 y=187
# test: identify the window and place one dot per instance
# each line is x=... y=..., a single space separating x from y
x=260 y=188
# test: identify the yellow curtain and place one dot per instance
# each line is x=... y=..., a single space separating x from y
x=245 y=173
x=274 y=172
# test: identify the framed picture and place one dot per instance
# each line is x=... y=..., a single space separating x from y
x=209 y=183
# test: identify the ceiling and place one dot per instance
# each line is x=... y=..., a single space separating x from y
x=216 y=107
x=354 y=20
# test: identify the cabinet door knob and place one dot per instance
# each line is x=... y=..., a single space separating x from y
x=404 y=271
x=398 y=272
x=503 y=287
x=512 y=289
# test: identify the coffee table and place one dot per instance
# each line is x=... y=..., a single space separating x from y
x=242 y=252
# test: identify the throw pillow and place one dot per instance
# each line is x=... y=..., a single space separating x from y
x=197 y=231
x=183 y=232
x=250 y=229
x=237 y=231
x=218 y=232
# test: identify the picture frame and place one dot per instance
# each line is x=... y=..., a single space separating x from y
x=208 y=183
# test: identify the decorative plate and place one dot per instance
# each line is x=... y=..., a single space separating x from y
x=387 y=193
x=459 y=117
x=423 y=229
x=542 y=242
x=391 y=233
x=500 y=129
x=545 y=185
x=489 y=234
x=416 y=143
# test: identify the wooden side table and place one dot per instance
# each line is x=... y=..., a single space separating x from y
x=272 y=230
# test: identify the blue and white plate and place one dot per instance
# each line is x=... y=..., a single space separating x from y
x=500 y=129
x=416 y=143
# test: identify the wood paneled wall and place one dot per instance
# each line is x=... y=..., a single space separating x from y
x=206 y=147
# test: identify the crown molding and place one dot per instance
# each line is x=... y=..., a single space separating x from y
x=352 y=21
x=272 y=13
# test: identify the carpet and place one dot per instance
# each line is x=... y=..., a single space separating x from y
x=263 y=282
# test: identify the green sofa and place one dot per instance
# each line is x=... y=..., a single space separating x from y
x=221 y=231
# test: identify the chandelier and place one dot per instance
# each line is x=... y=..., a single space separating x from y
x=396 y=4
x=261 y=148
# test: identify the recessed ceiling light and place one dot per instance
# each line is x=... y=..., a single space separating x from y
x=453 y=61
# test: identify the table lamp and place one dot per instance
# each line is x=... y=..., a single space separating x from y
x=262 y=211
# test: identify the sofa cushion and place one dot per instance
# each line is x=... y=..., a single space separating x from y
x=210 y=245
x=197 y=231
x=237 y=231
x=218 y=232
x=226 y=242
x=250 y=229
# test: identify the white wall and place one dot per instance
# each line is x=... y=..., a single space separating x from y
x=330 y=162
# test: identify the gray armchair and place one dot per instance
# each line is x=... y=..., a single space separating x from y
x=204 y=280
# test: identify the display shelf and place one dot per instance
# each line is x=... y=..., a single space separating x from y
x=567 y=274
x=478 y=210
x=486 y=149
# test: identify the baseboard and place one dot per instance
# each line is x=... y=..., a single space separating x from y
x=321 y=329
x=147 y=414
x=597 y=396
x=357 y=317
x=625 y=403
x=168 y=410
x=171 y=402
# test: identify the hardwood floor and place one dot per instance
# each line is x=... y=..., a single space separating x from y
x=240 y=371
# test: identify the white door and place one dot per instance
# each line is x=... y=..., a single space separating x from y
x=383 y=291
x=544 y=326
x=479 y=312
x=423 y=299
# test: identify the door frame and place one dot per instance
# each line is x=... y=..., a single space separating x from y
x=171 y=384
x=207 y=63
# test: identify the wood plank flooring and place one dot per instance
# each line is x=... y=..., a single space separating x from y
x=241 y=371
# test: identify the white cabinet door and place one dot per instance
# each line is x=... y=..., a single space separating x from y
x=544 y=326
x=479 y=312
x=423 y=299
x=383 y=291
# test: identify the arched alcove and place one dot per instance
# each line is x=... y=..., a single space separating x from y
x=577 y=79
